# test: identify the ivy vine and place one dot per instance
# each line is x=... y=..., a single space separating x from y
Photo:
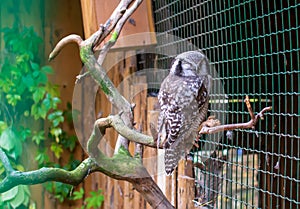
x=29 y=113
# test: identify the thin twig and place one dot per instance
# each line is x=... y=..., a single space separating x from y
x=250 y=124
x=248 y=104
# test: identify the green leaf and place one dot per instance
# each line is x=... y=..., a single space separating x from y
x=13 y=99
x=56 y=131
x=77 y=195
x=42 y=158
x=8 y=139
x=55 y=102
x=2 y=170
x=36 y=74
x=38 y=137
x=45 y=107
x=28 y=80
x=34 y=111
x=10 y=194
x=27 y=200
x=47 y=69
x=19 y=198
x=24 y=133
x=3 y=126
x=56 y=117
x=35 y=66
x=42 y=78
x=52 y=89
x=38 y=94
x=26 y=189
x=70 y=142
x=55 y=114
x=95 y=200
x=19 y=167
x=47 y=102
x=56 y=149
x=10 y=142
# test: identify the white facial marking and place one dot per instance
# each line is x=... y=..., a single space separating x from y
x=173 y=67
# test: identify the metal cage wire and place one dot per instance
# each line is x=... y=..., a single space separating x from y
x=254 y=47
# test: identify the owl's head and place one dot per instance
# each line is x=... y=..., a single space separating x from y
x=181 y=68
x=194 y=60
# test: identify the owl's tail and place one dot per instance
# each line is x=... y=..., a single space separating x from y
x=171 y=160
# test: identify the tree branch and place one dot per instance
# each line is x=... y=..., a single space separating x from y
x=42 y=175
x=118 y=26
x=73 y=38
x=110 y=24
x=117 y=21
x=122 y=165
x=251 y=124
x=4 y=159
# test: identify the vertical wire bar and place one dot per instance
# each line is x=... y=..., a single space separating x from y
x=272 y=163
x=263 y=31
x=292 y=154
x=282 y=105
x=247 y=190
x=291 y=102
x=255 y=33
x=286 y=98
x=298 y=102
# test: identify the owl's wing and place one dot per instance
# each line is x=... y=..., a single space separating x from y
x=169 y=121
x=186 y=110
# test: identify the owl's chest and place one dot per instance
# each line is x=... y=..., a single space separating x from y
x=180 y=91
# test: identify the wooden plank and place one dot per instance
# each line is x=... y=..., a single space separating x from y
x=150 y=154
x=118 y=194
x=186 y=185
x=128 y=195
x=89 y=17
x=139 y=97
x=138 y=200
x=110 y=193
x=169 y=188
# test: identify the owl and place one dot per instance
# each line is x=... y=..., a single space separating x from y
x=183 y=100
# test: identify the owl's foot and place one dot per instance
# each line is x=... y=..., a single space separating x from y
x=210 y=122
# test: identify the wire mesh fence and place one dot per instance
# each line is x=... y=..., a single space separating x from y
x=254 y=47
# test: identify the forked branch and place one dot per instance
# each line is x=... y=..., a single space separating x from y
x=250 y=124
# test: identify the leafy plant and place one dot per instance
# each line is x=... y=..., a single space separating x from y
x=29 y=111
x=95 y=199
x=17 y=196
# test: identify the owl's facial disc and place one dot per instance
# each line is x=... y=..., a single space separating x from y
x=187 y=70
x=181 y=68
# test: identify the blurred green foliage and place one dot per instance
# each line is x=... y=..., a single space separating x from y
x=29 y=113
